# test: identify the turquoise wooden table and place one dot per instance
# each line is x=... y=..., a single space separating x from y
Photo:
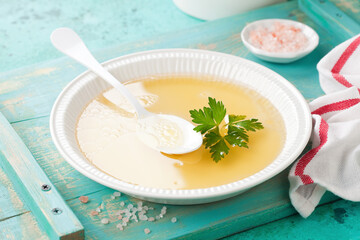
x=39 y=191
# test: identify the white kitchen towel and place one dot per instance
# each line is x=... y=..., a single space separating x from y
x=333 y=163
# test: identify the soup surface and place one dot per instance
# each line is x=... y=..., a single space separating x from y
x=106 y=134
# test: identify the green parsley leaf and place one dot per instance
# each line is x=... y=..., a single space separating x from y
x=209 y=120
x=250 y=125
x=218 y=110
x=212 y=137
x=204 y=118
x=219 y=150
x=236 y=118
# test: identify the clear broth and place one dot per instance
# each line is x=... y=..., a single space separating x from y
x=105 y=134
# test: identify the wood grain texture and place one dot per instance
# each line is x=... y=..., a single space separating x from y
x=267 y=202
x=10 y=202
x=331 y=18
x=21 y=97
x=28 y=177
x=26 y=25
x=26 y=97
x=350 y=7
x=22 y=227
x=338 y=220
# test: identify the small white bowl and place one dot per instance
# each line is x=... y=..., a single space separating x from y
x=283 y=57
x=281 y=93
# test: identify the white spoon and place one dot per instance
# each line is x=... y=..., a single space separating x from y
x=185 y=139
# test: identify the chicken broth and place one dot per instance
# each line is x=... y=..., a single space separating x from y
x=107 y=138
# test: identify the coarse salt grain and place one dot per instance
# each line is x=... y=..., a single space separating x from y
x=122 y=204
x=147 y=231
x=151 y=219
x=105 y=221
x=119 y=226
x=84 y=199
x=278 y=37
x=94 y=213
x=117 y=194
x=173 y=220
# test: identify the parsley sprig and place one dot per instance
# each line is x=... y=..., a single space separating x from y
x=209 y=120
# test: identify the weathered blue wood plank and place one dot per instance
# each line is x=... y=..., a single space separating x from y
x=23 y=226
x=262 y=204
x=26 y=25
x=331 y=18
x=28 y=178
x=338 y=220
x=21 y=97
x=10 y=202
x=69 y=182
x=205 y=221
x=29 y=93
x=350 y=7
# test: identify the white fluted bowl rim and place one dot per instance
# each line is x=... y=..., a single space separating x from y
x=281 y=93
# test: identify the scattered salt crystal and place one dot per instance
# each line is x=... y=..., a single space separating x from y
x=98 y=209
x=130 y=206
x=140 y=204
x=102 y=206
x=125 y=219
x=84 y=199
x=151 y=219
x=105 y=221
x=173 y=220
x=157 y=217
x=94 y=213
x=116 y=194
x=146 y=208
x=143 y=217
x=112 y=197
x=134 y=217
x=147 y=231
x=161 y=216
x=122 y=204
x=119 y=226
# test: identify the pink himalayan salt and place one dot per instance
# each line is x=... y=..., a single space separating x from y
x=278 y=38
x=94 y=213
x=84 y=199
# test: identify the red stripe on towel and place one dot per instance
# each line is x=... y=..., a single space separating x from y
x=341 y=62
x=337 y=106
x=306 y=159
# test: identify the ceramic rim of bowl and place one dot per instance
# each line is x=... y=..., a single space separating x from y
x=62 y=120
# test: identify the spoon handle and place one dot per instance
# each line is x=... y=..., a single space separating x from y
x=69 y=43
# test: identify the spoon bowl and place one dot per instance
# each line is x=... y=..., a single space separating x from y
x=69 y=43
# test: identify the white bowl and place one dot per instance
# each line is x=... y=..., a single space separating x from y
x=283 y=57
x=281 y=93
